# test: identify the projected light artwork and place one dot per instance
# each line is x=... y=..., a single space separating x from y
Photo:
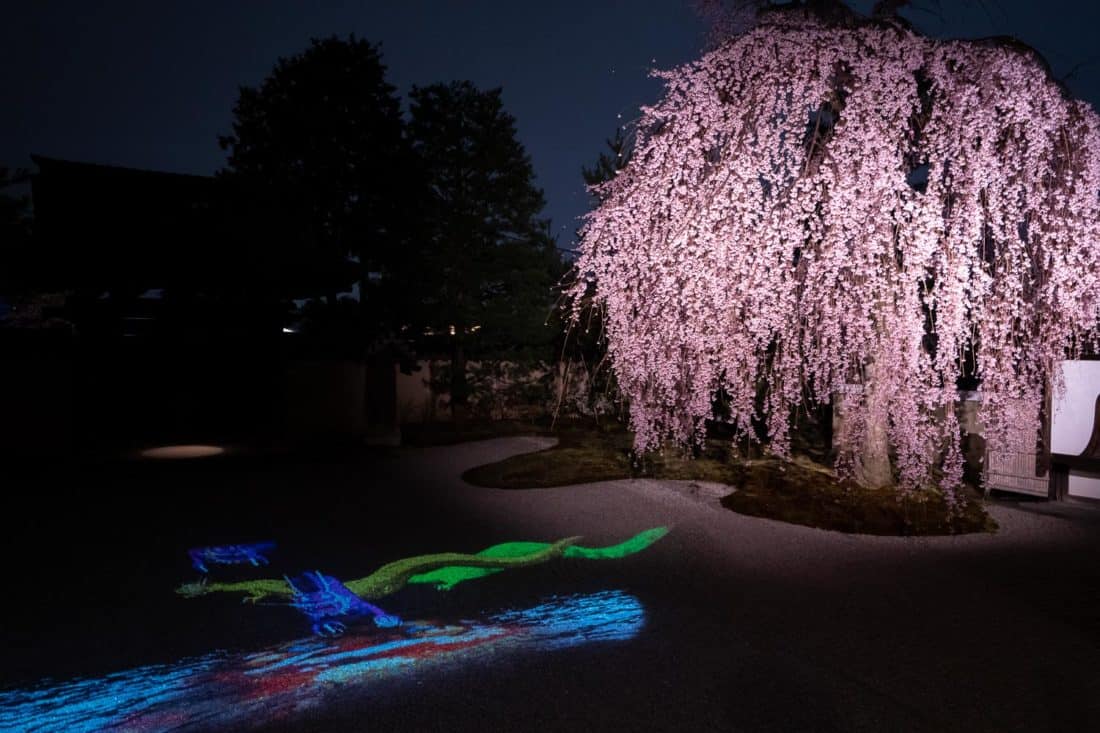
x=233 y=690
x=252 y=554
x=325 y=600
x=448 y=577
x=330 y=604
x=230 y=691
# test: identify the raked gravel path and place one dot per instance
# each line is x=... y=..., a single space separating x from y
x=761 y=625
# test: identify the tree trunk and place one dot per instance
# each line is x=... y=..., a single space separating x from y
x=872 y=464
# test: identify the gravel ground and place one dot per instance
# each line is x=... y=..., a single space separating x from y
x=750 y=624
x=760 y=625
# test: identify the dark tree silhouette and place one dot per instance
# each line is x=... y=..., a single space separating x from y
x=486 y=265
x=323 y=134
x=609 y=162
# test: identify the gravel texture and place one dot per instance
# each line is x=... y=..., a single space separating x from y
x=751 y=624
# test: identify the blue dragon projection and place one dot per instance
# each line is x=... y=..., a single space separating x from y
x=252 y=554
x=325 y=600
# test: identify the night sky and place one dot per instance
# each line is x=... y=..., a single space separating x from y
x=152 y=84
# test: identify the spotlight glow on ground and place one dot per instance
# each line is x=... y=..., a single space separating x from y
x=173 y=452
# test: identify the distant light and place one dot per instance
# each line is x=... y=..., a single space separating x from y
x=183 y=451
x=288 y=329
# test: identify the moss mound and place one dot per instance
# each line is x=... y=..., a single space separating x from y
x=805 y=495
x=587 y=453
x=802 y=492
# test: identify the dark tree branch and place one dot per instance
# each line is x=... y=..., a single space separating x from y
x=888 y=8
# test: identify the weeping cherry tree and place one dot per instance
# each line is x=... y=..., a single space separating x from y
x=835 y=204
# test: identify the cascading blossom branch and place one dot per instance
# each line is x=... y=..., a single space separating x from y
x=814 y=206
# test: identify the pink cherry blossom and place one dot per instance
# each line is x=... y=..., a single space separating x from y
x=771 y=230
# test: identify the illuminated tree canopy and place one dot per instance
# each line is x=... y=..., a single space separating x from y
x=815 y=205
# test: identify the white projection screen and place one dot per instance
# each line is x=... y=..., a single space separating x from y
x=1071 y=425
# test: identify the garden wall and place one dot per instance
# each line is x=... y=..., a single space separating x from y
x=499 y=390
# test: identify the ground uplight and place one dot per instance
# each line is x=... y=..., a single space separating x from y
x=183 y=451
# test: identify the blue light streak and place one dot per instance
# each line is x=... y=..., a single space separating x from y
x=230 y=691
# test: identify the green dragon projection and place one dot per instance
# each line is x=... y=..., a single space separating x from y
x=443 y=570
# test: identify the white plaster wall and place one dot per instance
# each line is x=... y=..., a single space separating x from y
x=415 y=401
x=1071 y=424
